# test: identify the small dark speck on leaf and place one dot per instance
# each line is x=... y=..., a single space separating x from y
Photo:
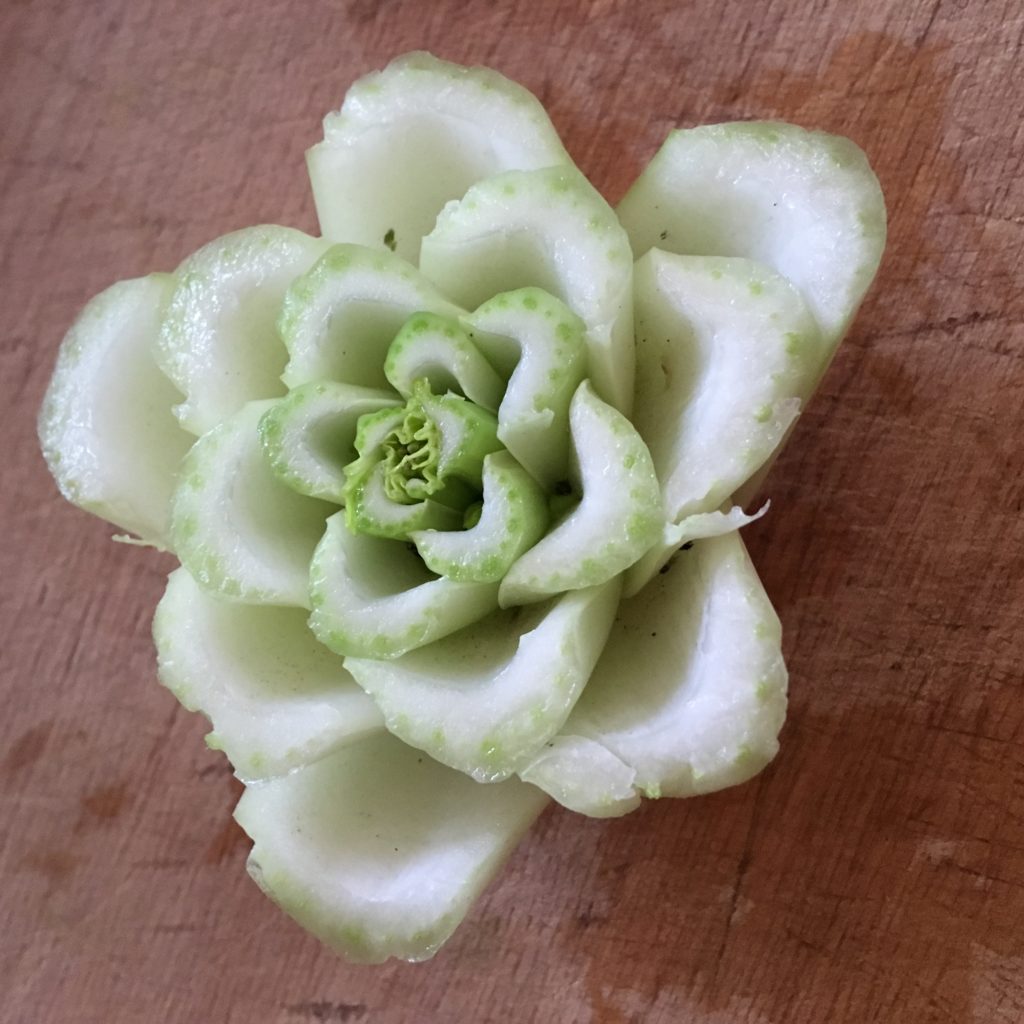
x=654 y=634
x=664 y=234
x=389 y=239
x=665 y=568
x=687 y=546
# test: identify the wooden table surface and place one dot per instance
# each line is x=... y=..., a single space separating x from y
x=876 y=871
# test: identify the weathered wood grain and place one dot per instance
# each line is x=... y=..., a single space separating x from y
x=876 y=871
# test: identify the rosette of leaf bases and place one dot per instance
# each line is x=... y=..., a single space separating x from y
x=427 y=475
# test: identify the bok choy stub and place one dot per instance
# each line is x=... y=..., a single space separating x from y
x=454 y=486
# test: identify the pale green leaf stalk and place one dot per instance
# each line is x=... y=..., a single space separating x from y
x=338 y=320
x=412 y=137
x=276 y=698
x=618 y=517
x=512 y=517
x=456 y=487
x=309 y=437
x=806 y=204
x=379 y=850
x=486 y=700
x=551 y=229
x=688 y=697
x=537 y=344
x=374 y=598
x=237 y=529
x=219 y=343
x=441 y=352
x=106 y=427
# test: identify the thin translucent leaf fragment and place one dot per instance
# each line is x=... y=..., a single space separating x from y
x=374 y=598
x=674 y=536
x=412 y=137
x=551 y=229
x=238 y=530
x=276 y=698
x=339 y=319
x=513 y=517
x=617 y=520
x=106 y=427
x=219 y=342
x=309 y=435
x=804 y=203
x=537 y=344
x=688 y=696
x=486 y=699
x=379 y=850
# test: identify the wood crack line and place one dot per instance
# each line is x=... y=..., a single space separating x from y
x=742 y=867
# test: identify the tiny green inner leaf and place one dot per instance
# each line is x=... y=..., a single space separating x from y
x=412 y=452
x=419 y=468
x=468 y=433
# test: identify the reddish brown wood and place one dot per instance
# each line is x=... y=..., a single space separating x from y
x=876 y=871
